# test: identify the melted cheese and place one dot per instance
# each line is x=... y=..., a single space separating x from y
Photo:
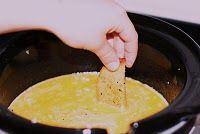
x=70 y=101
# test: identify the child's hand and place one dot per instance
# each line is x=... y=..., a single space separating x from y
x=88 y=24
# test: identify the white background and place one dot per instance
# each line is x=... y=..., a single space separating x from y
x=185 y=10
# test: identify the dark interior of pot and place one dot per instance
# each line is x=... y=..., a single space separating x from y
x=33 y=56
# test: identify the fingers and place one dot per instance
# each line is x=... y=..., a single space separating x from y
x=108 y=56
x=129 y=35
x=118 y=46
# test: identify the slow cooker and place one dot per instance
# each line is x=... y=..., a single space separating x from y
x=168 y=60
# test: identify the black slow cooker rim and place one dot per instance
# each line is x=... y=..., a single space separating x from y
x=181 y=112
x=12 y=118
x=195 y=48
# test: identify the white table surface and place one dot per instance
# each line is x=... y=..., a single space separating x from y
x=184 y=10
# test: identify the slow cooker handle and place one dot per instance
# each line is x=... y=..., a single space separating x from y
x=167 y=124
x=195 y=110
x=192 y=111
x=175 y=120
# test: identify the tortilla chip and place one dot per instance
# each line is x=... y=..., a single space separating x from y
x=111 y=87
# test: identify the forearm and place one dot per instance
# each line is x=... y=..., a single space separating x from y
x=26 y=14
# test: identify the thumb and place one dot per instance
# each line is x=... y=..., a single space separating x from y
x=108 y=56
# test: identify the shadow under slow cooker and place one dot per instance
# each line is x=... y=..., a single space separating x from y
x=37 y=56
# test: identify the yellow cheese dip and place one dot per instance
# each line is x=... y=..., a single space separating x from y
x=70 y=101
